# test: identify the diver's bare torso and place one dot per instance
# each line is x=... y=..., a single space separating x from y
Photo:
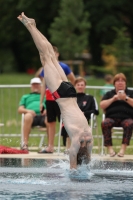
x=77 y=128
x=74 y=119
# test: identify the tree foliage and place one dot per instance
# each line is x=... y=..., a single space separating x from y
x=104 y=15
x=121 y=46
x=15 y=37
x=70 y=29
x=122 y=51
x=69 y=24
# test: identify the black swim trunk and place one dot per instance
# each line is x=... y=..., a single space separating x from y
x=65 y=90
x=53 y=111
x=39 y=121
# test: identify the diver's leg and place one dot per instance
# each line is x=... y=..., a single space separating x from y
x=43 y=45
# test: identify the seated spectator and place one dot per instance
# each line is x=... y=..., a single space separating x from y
x=118 y=107
x=108 y=83
x=87 y=103
x=30 y=106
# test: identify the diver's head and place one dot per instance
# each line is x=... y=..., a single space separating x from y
x=83 y=156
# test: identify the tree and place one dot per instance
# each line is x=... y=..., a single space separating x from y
x=69 y=24
x=122 y=51
x=70 y=30
x=17 y=50
x=121 y=46
x=103 y=16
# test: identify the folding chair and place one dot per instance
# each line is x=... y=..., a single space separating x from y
x=59 y=135
x=94 y=127
x=93 y=121
x=115 y=130
x=42 y=135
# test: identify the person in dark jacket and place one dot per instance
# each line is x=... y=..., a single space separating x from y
x=118 y=107
x=87 y=103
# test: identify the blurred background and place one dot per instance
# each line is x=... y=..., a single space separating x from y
x=93 y=37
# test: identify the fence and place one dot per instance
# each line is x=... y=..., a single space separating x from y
x=9 y=101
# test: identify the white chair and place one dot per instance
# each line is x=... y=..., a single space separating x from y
x=94 y=127
x=115 y=130
x=42 y=135
x=93 y=121
x=59 y=135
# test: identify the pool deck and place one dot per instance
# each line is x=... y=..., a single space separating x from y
x=35 y=155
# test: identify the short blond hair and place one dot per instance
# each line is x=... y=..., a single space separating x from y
x=79 y=79
x=118 y=76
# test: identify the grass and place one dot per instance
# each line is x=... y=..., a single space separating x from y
x=9 y=99
x=15 y=78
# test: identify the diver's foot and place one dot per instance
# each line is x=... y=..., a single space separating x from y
x=25 y=20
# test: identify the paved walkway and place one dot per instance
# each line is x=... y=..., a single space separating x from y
x=35 y=155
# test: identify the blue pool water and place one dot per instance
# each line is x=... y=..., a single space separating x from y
x=52 y=180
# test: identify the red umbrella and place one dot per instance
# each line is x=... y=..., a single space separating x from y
x=9 y=150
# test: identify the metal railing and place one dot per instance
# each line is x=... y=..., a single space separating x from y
x=10 y=96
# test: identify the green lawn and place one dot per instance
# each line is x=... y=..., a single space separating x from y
x=15 y=78
x=25 y=79
x=9 y=99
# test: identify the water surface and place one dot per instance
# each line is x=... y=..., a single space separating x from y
x=50 y=179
